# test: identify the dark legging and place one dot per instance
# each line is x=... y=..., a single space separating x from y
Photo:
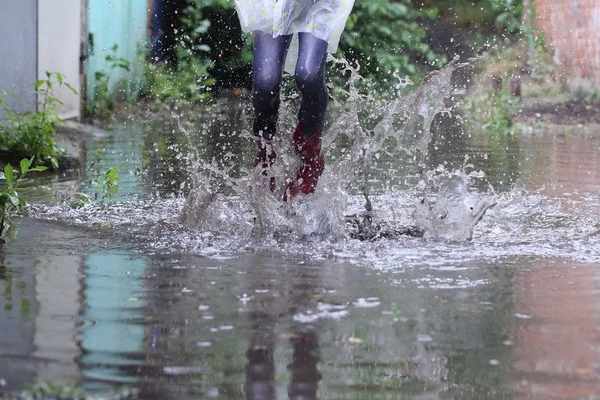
x=269 y=60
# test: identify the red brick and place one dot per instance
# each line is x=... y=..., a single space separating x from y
x=570 y=28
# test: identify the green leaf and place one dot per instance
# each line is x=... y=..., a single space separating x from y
x=39 y=83
x=81 y=199
x=71 y=88
x=25 y=164
x=8 y=173
x=9 y=93
x=39 y=168
x=112 y=174
x=53 y=100
x=14 y=199
x=431 y=13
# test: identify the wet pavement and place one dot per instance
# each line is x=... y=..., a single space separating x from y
x=143 y=304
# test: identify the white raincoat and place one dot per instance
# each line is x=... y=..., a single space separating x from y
x=323 y=18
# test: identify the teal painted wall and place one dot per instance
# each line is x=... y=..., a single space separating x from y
x=121 y=22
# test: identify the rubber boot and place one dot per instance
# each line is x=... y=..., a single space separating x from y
x=265 y=154
x=313 y=163
x=305 y=376
x=260 y=375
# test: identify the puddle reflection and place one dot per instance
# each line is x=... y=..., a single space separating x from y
x=557 y=345
x=112 y=334
x=78 y=304
x=279 y=301
x=254 y=327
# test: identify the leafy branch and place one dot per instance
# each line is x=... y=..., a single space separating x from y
x=10 y=199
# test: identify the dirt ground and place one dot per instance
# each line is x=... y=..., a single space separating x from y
x=572 y=112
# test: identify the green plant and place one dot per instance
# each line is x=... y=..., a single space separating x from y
x=103 y=103
x=510 y=75
x=79 y=199
x=588 y=94
x=10 y=200
x=385 y=36
x=66 y=391
x=493 y=112
x=509 y=15
x=211 y=33
x=490 y=104
x=186 y=80
x=31 y=134
x=107 y=184
x=185 y=84
x=50 y=389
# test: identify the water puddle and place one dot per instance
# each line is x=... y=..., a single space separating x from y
x=120 y=294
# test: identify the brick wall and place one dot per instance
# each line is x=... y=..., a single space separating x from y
x=572 y=29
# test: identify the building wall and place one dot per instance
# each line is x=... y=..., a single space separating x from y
x=572 y=29
x=59 y=43
x=109 y=23
x=38 y=36
x=18 y=52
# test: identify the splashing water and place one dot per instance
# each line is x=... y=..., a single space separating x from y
x=450 y=208
x=402 y=126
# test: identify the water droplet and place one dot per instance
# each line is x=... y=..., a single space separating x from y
x=522 y=316
x=424 y=338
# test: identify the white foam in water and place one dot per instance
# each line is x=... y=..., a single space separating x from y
x=366 y=303
x=450 y=208
x=324 y=311
x=181 y=370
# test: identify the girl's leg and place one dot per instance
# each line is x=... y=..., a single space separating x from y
x=310 y=78
x=269 y=59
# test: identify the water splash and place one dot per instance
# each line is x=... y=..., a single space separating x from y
x=396 y=127
x=450 y=208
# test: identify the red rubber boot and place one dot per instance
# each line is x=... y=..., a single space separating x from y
x=312 y=167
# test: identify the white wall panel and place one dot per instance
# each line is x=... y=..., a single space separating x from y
x=59 y=38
